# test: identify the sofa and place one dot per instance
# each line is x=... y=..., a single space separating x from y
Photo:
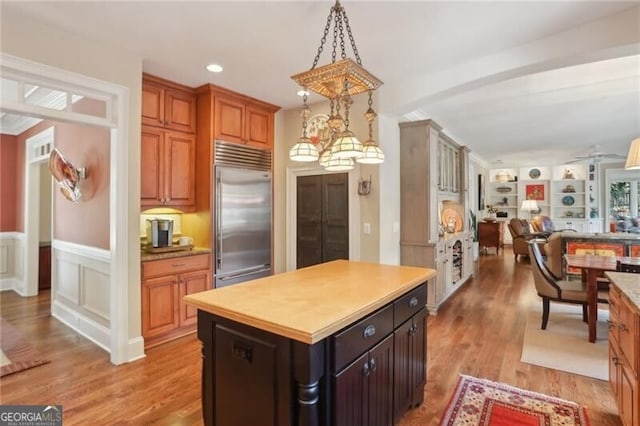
x=602 y=244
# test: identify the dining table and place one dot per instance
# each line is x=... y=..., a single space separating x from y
x=593 y=267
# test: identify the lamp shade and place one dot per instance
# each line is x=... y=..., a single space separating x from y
x=529 y=205
x=335 y=164
x=633 y=158
x=304 y=151
x=371 y=154
x=346 y=146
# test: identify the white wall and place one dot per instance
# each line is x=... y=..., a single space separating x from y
x=45 y=44
x=11 y=275
x=45 y=203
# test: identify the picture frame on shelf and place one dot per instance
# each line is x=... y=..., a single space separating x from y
x=534 y=192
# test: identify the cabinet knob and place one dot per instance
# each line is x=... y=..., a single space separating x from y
x=373 y=365
x=615 y=360
x=622 y=327
x=413 y=302
x=365 y=369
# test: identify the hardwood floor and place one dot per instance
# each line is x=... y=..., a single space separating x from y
x=478 y=332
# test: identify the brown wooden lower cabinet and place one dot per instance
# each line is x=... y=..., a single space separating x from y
x=624 y=357
x=369 y=373
x=164 y=283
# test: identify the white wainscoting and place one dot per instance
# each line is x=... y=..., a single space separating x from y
x=80 y=291
x=11 y=261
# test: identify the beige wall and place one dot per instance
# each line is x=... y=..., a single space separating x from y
x=45 y=44
x=288 y=130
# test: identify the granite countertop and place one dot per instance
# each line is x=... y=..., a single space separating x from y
x=629 y=285
x=311 y=303
x=146 y=256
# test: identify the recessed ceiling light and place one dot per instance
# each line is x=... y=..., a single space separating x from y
x=303 y=92
x=214 y=68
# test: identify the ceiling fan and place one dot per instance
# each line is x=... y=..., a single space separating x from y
x=595 y=155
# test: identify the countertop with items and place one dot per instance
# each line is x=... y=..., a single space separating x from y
x=146 y=256
x=629 y=285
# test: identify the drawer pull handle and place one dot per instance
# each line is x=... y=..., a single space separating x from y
x=178 y=265
x=369 y=331
x=413 y=302
x=242 y=351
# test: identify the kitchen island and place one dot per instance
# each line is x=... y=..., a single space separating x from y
x=342 y=343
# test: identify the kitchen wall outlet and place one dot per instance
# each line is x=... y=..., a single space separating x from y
x=366 y=228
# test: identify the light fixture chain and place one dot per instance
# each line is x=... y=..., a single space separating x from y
x=335 y=38
x=323 y=40
x=353 y=42
x=340 y=16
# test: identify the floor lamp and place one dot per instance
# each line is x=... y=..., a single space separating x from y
x=530 y=206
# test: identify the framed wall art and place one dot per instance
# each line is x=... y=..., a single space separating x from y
x=534 y=192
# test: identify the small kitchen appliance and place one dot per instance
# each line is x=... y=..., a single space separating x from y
x=159 y=232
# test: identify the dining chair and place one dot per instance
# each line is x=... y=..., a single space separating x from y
x=628 y=267
x=551 y=289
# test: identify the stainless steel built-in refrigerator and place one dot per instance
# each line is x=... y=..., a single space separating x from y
x=243 y=225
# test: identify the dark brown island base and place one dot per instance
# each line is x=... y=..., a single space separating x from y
x=342 y=343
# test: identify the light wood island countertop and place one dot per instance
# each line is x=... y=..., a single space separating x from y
x=312 y=303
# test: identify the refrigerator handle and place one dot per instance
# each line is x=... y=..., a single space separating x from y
x=218 y=214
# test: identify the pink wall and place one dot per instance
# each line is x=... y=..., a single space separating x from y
x=87 y=221
x=8 y=187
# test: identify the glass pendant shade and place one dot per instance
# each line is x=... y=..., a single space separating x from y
x=335 y=164
x=304 y=151
x=346 y=146
x=371 y=153
x=325 y=157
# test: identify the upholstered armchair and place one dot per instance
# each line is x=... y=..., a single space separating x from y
x=545 y=224
x=521 y=235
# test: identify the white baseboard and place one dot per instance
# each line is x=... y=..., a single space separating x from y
x=97 y=333
x=10 y=284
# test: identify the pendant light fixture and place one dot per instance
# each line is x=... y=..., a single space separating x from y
x=338 y=81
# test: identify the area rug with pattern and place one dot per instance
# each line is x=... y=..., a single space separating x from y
x=481 y=402
x=15 y=353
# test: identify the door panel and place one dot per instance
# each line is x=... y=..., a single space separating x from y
x=351 y=394
x=192 y=282
x=309 y=222
x=322 y=218
x=381 y=383
x=179 y=168
x=152 y=156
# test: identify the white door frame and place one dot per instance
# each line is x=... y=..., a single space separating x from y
x=291 y=209
x=116 y=98
x=37 y=150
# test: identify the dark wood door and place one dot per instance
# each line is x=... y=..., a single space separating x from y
x=410 y=359
x=381 y=384
x=322 y=219
x=351 y=394
x=44 y=267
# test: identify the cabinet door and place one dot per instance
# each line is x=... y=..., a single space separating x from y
x=259 y=127
x=180 y=111
x=628 y=395
x=151 y=169
x=381 y=384
x=229 y=119
x=192 y=282
x=419 y=357
x=179 y=169
x=152 y=105
x=159 y=305
x=351 y=394
x=402 y=399
x=613 y=369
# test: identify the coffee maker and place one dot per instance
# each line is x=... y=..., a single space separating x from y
x=159 y=232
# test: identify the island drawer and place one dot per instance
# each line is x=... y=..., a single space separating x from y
x=175 y=265
x=409 y=304
x=350 y=343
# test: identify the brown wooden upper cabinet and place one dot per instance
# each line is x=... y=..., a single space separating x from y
x=168 y=105
x=168 y=145
x=239 y=121
x=167 y=176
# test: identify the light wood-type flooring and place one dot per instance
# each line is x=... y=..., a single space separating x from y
x=478 y=332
